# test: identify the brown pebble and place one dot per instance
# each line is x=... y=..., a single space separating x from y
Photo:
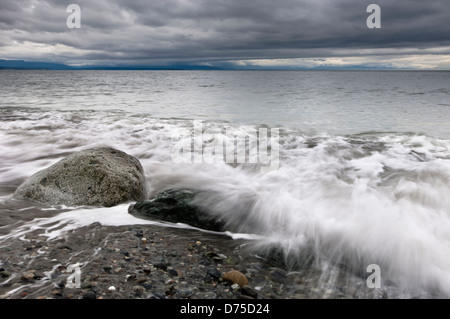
x=147 y=270
x=141 y=279
x=235 y=277
x=139 y=289
x=28 y=275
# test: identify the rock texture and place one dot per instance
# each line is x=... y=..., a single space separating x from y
x=176 y=206
x=94 y=177
x=235 y=277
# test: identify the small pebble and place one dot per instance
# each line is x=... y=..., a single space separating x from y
x=61 y=268
x=249 y=291
x=141 y=279
x=184 y=293
x=207 y=295
x=146 y=286
x=278 y=276
x=86 y=284
x=112 y=288
x=27 y=276
x=89 y=295
x=235 y=277
x=157 y=295
x=161 y=265
x=139 y=289
x=168 y=281
x=173 y=272
x=57 y=293
x=214 y=273
x=147 y=270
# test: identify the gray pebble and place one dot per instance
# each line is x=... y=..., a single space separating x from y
x=207 y=295
x=184 y=293
x=214 y=273
x=157 y=295
x=249 y=291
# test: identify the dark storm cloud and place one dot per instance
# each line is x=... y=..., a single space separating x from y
x=142 y=32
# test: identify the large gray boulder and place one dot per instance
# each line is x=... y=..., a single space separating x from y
x=94 y=177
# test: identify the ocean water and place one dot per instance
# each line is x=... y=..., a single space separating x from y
x=359 y=161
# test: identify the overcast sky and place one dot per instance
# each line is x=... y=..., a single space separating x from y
x=233 y=33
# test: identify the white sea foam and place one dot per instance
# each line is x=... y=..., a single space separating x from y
x=367 y=199
x=351 y=201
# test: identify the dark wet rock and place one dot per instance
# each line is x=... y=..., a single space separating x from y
x=89 y=295
x=249 y=291
x=176 y=206
x=107 y=269
x=173 y=272
x=214 y=273
x=278 y=275
x=171 y=291
x=97 y=177
x=147 y=270
x=146 y=286
x=161 y=265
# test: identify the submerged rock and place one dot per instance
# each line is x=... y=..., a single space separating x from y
x=97 y=177
x=176 y=206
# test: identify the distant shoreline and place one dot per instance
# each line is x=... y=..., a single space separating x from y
x=50 y=66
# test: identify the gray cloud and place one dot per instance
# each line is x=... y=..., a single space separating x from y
x=168 y=31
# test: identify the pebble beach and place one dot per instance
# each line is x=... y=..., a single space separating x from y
x=139 y=263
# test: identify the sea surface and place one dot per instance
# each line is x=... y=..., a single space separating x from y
x=357 y=163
